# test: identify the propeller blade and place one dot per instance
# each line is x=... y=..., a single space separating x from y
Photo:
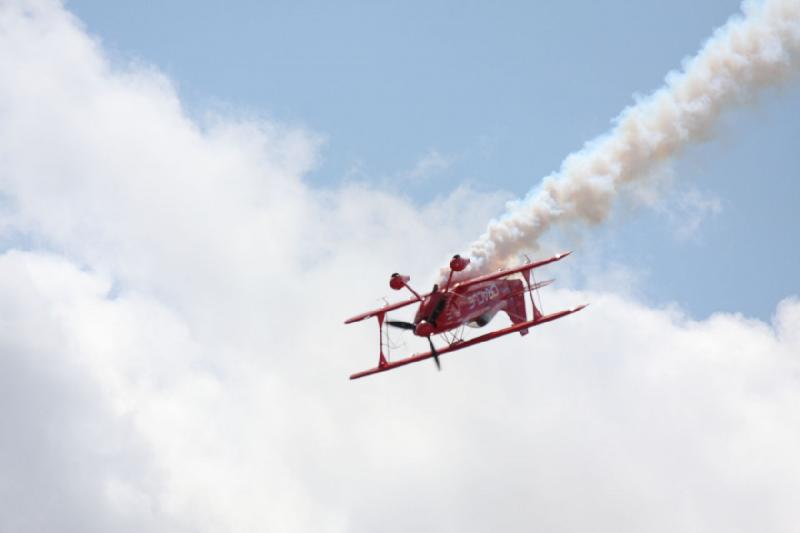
x=400 y=324
x=435 y=354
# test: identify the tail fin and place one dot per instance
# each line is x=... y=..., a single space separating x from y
x=516 y=306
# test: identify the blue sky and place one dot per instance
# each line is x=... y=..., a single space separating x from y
x=498 y=94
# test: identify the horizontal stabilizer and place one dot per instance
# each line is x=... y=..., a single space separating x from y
x=507 y=272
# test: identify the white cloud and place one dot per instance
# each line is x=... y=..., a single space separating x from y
x=428 y=166
x=173 y=356
x=690 y=210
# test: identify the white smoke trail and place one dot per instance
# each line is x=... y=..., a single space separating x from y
x=750 y=52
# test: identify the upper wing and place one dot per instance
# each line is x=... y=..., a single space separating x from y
x=466 y=283
x=384 y=309
x=508 y=272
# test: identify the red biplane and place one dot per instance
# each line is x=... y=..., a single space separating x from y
x=471 y=302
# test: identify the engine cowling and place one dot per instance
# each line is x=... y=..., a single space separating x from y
x=423 y=329
x=458 y=263
x=398 y=281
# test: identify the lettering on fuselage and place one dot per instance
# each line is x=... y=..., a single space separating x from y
x=484 y=295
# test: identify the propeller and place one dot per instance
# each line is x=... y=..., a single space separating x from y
x=408 y=325
x=435 y=354
x=400 y=324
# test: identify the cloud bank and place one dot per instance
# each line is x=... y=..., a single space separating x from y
x=172 y=356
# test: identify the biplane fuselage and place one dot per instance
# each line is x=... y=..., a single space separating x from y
x=473 y=305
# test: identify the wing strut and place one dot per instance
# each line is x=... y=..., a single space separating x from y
x=382 y=359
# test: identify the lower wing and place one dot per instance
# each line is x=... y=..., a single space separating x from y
x=465 y=344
